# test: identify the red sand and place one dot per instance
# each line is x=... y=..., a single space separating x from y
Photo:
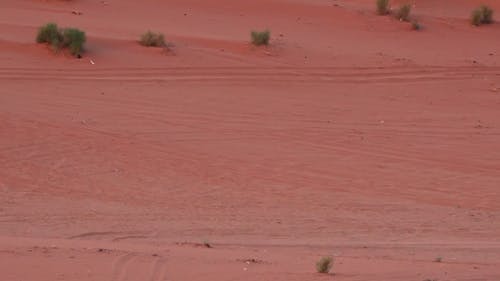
x=351 y=136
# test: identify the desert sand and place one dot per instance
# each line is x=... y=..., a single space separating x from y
x=350 y=136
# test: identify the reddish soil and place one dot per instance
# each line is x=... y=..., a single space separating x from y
x=350 y=136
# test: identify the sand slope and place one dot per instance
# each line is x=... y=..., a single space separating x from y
x=350 y=135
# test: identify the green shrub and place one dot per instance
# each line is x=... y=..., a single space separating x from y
x=324 y=265
x=482 y=15
x=50 y=34
x=260 y=37
x=403 y=12
x=487 y=14
x=477 y=17
x=382 y=7
x=71 y=38
x=151 y=39
x=74 y=39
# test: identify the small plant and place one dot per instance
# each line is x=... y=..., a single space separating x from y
x=482 y=15
x=403 y=12
x=50 y=34
x=260 y=37
x=382 y=7
x=487 y=14
x=151 y=39
x=415 y=25
x=324 y=265
x=74 y=39
x=58 y=38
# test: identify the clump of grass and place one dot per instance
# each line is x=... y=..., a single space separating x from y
x=260 y=37
x=152 y=39
x=74 y=39
x=482 y=15
x=51 y=34
x=477 y=17
x=324 y=265
x=382 y=7
x=58 y=38
x=403 y=12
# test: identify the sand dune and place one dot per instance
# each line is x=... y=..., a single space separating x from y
x=351 y=135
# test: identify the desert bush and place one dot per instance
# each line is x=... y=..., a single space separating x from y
x=403 y=12
x=260 y=37
x=74 y=39
x=151 y=39
x=482 y=15
x=50 y=34
x=324 y=265
x=58 y=38
x=382 y=7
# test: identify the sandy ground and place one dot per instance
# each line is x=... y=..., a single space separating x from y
x=349 y=136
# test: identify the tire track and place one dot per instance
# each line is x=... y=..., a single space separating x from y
x=158 y=270
x=120 y=266
x=250 y=74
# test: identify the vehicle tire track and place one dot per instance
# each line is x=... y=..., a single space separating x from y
x=251 y=74
x=120 y=266
x=158 y=270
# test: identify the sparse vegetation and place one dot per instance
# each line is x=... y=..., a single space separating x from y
x=151 y=39
x=50 y=34
x=58 y=38
x=74 y=39
x=382 y=7
x=324 y=265
x=482 y=15
x=260 y=37
x=403 y=12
